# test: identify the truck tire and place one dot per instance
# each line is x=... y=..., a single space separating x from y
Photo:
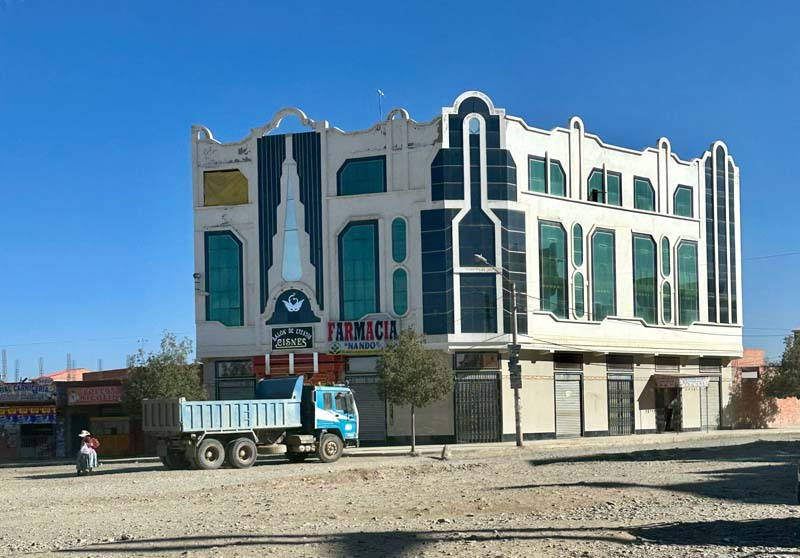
x=242 y=453
x=330 y=448
x=210 y=454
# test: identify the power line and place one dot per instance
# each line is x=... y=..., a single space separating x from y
x=781 y=255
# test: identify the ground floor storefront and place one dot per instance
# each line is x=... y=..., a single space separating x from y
x=563 y=395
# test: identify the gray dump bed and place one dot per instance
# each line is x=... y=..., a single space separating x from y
x=167 y=417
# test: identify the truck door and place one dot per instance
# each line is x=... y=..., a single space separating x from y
x=347 y=415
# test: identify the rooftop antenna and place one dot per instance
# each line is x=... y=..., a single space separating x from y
x=41 y=366
x=4 y=370
x=100 y=364
x=16 y=370
x=381 y=95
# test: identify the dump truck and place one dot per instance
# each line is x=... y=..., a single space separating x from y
x=285 y=418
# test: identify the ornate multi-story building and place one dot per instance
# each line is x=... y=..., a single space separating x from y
x=314 y=249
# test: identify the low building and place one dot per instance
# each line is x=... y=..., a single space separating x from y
x=749 y=408
x=313 y=249
x=30 y=426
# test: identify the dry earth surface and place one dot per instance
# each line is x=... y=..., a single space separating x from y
x=735 y=499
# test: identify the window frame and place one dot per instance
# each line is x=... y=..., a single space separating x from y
x=541 y=223
x=678 y=247
x=394 y=292
x=340 y=258
x=683 y=188
x=604 y=173
x=346 y=162
x=613 y=267
x=240 y=245
x=548 y=163
x=404 y=221
x=649 y=184
x=655 y=246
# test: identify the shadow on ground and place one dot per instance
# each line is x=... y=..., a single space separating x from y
x=777 y=533
x=96 y=473
x=771 y=480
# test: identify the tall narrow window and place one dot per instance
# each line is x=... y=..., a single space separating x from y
x=362 y=176
x=644 y=197
x=475 y=236
x=291 y=269
x=596 y=187
x=722 y=236
x=558 y=182
x=577 y=245
x=553 y=268
x=478 y=303
x=358 y=270
x=613 y=188
x=604 y=277
x=666 y=295
x=665 y=256
x=537 y=175
x=578 y=288
x=645 y=304
x=224 y=302
x=687 y=283
x=399 y=240
x=400 y=291
x=682 y=202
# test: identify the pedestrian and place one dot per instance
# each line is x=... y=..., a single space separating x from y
x=87 y=454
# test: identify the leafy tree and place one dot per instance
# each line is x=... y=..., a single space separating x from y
x=783 y=378
x=410 y=374
x=165 y=374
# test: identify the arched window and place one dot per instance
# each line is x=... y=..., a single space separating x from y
x=474 y=126
x=666 y=295
x=577 y=245
x=578 y=288
x=687 y=283
x=665 y=257
x=645 y=302
x=225 y=300
x=553 y=268
x=399 y=240
x=644 y=197
x=400 y=291
x=358 y=270
x=604 y=276
x=475 y=236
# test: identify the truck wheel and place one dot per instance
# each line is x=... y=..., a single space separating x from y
x=242 y=453
x=330 y=448
x=296 y=457
x=210 y=454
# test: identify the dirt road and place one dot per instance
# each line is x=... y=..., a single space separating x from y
x=733 y=500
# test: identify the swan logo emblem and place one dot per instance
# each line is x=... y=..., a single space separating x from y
x=293 y=304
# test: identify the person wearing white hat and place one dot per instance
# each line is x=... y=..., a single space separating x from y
x=87 y=454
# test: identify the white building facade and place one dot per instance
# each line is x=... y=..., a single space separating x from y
x=314 y=249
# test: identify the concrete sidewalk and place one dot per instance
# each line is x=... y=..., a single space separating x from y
x=600 y=445
x=605 y=442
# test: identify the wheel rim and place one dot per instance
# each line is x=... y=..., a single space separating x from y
x=331 y=448
x=245 y=453
x=211 y=454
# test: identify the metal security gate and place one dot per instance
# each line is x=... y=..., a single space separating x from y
x=713 y=404
x=568 y=405
x=620 y=405
x=371 y=409
x=477 y=407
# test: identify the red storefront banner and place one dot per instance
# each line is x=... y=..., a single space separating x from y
x=95 y=395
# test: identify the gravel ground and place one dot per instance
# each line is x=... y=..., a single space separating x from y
x=731 y=500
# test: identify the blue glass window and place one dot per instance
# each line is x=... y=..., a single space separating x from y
x=666 y=293
x=362 y=176
x=578 y=287
x=399 y=240
x=577 y=245
x=400 y=291
x=604 y=277
x=537 y=179
x=645 y=302
x=553 y=268
x=358 y=270
x=644 y=197
x=613 y=188
x=478 y=303
x=687 y=283
x=682 y=201
x=596 y=191
x=475 y=236
x=558 y=181
x=224 y=303
x=666 y=257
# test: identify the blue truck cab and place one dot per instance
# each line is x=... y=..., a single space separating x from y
x=335 y=411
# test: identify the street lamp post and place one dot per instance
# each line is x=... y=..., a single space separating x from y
x=513 y=361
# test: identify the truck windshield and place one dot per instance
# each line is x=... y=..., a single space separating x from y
x=344 y=403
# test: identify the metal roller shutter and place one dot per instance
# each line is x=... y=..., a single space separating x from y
x=704 y=409
x=568 y=405
x=371 y=408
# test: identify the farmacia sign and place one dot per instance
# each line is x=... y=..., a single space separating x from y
x=360 y=336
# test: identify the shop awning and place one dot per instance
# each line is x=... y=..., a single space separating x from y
x=680 y=380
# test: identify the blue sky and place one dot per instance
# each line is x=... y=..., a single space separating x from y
x=97 y=99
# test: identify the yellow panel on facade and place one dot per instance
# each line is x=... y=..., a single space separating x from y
x=225 y=187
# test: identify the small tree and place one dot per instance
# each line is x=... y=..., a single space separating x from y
x=165 y=374
x=410 y=374
x=783 y=379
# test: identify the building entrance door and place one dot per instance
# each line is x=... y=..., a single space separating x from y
x=568 y=405
x=477 y=407
x=620 y=405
